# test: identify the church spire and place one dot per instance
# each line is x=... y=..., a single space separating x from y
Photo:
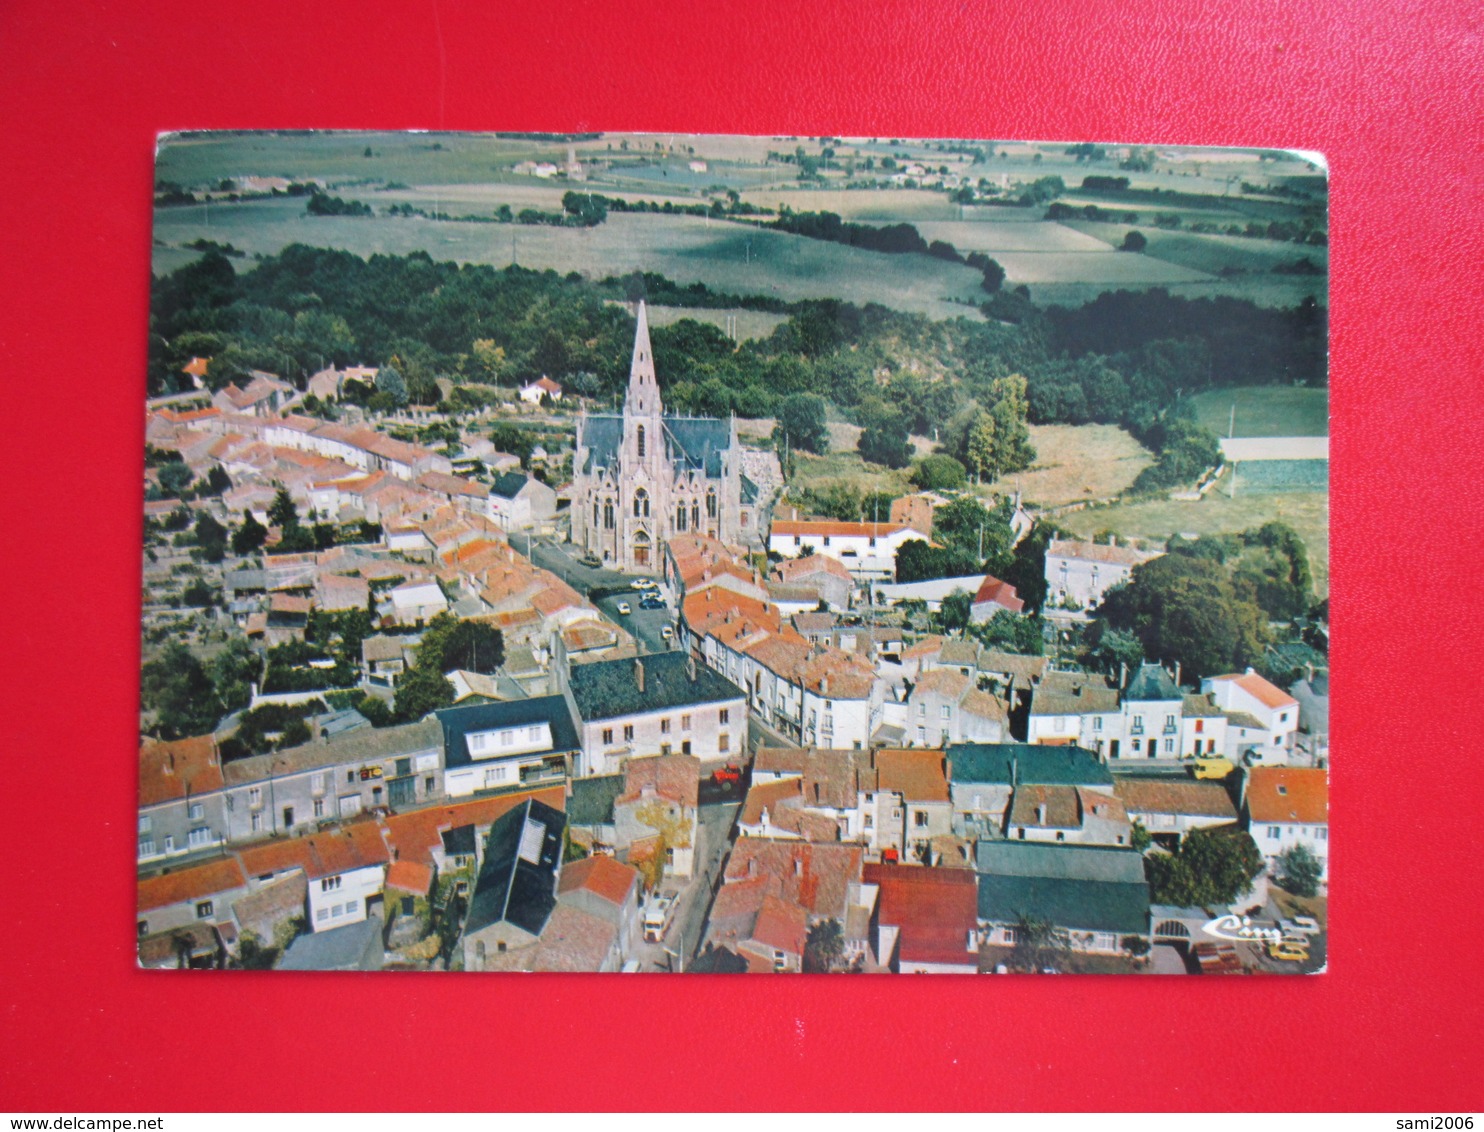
x=644 y=390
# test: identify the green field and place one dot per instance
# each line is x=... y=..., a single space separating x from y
x=1078 y=462
x=1265 y=410
x=1306 y=512
x=749 y=324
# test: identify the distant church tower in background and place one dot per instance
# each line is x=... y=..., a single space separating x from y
x=643 y=477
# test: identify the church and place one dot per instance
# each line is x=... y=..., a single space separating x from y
x=642 y=477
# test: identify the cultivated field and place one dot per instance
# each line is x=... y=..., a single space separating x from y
x=726 y=256
x=1305 y=512
x=1078 y=462
x=1265 y=410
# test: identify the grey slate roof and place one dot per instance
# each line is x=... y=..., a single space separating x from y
x=1152 y=682
x=592 y=799
x=694 y=442
x=459 y=841
x=511 y=887
x=458 y=722
x=609 y=689
x=1078 y=887
x=355 y=947
x=507 y=485
x=363 y=745
x=1029 y=764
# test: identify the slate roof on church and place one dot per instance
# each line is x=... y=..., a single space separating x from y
x=697 y=441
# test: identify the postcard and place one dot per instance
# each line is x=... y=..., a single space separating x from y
x=662 y=553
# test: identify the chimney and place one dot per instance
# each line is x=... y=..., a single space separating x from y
x=1112 y=540
x=1041 y=813
x=751 y=866
x=798 y=867
x=1014 y=770
x=824 y=684
x=639 y=673
x=1122 y=675
x=1177 y=672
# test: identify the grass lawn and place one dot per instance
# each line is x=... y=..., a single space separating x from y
x=1290 y=905
x=1306 y=512
x=1265 y=410
x=1079 y=462
x=750 y=324
x=820 y=472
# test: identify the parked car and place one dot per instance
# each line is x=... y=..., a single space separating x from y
x=623 y=608
x=645 y=584
x=590 y=560
x=1288 y=950
x=727 y=775
x=651 y=601
x=667 y=633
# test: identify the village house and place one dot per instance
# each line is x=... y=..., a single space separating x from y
x=947 y=706
x=499 y=746
x=609 y=890
x=1096 y=897
x=1171 y=808
x=867 y=550
x=817 y=576
x=1250 y=694
x=1069 y=814
x=983 y=778
x=656 y=817
x=1284 y=806
x=384 y=659
x=195 y=901
x=1079 y=574
x=181 y=806
x=518 y=501
x=993 y=597
x=660 y=704
x=532 y=392
x=928 y=919
x=344 y=870
x=515 y=893
x=916 y=510
x=295 y=789
x=262 y=396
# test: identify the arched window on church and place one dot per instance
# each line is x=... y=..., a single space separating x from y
x=608 y=514
x=641 y=504
x=711 y=504
x=640 y=436
x=695 y=516
x=680 y=517
x=595 y=512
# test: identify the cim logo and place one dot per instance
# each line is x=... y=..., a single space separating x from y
x=1240 y=929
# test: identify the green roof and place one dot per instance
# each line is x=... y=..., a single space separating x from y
x=592 y=799
x=1027 y=764
x=1074 y=905
x=1152 y=682
x=610 y=689
x=1077 y=887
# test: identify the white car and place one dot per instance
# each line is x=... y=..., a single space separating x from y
x=666 y=633
x=646 y=584
x=623 y=608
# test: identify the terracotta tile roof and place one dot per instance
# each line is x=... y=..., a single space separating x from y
x=196 y=367
x=1000 y=593
x=917 y=775
x=179 y=769
x=817 y=876
x=1024 y=669
x=985 y=706
x=676 y=777
x=830 y=778
x=789 y=529
x=162 y=949
x=198 y=882
x=1195 y=705
x=588 y=635
x=1287 y=794
x=840 y=675
x=784 y=655
x=262 y=910
x=934 y=910
x=1254 y=685
x=781 y=926
x=289 y=603
x=1162 y=796
x=947 y=682
x=574 y=941
x=926 y=647
x=355 y=846
x=715 y=605
x=796 y=569
x=770 y=796
x=779 y=760
x=410 y=876
x=604 y=877
x=417 y=833
x=1062 y=808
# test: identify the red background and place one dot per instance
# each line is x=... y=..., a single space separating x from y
x=1388 y=90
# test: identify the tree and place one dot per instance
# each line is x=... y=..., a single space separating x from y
x=967 y=525
x=211 y=537
x=282 y=513
x=475 y=647
x=885 y=443
x=1186 y=610
x=1012 y=632
x=176 y=688
x=939 y=473
x=175 y=479
x=955 y=610
x=375 y=710
x=1212 y=866
x=824 y=948
x=250 y=536
x=1134 y=241
x=421 y=690
x=217 y=481
x=801 y=417
x=1039 y=946
x=390 y=382
x=1139 y=837
x=1299 y=871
